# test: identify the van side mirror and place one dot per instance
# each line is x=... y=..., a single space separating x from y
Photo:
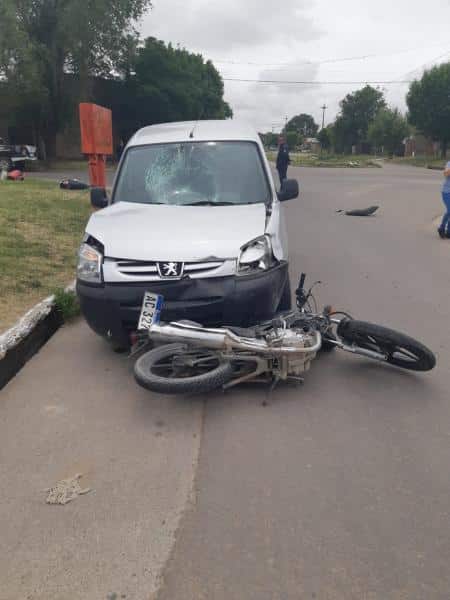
x=99 y=199
x=289 y=190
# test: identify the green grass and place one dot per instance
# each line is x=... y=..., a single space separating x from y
x=427 y=162
x=67 y=304
x=61 y=165
x=41 y=228
x=329 y=160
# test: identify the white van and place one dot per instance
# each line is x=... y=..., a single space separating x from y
x=194 y=216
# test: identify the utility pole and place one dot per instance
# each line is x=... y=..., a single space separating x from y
x=324 y=108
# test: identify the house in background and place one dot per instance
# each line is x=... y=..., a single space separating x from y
x=419 y=145
x=311 y=145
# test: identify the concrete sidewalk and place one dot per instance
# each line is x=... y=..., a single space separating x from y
x=75 y=408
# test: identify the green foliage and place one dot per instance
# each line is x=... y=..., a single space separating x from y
x=303 y=124
x=293 y=139
x=388 y=130
x=42 y=40
x=358 y=110
x=325 y=136
x=168 y=84
x=269 y=139
x=429 y=104
x=67 y=304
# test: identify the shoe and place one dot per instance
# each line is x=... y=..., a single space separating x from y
x=441 y=233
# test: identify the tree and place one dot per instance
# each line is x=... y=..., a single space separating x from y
x=324 y=137
x=303 y=124
x=358 y=110
x=428 y=102
x=269 y=139
x=167 y=84
x=293 y=139
x=388 y=130
x=43 y=40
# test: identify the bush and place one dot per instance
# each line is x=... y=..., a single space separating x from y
x=66 y=302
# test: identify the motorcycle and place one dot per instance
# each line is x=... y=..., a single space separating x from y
x=187 y=358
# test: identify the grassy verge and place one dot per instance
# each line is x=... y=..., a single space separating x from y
x=65 y=166
x=426 y=162
x=330 y=160
x=40 y=230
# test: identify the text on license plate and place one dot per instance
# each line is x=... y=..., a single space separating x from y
x=151 y=310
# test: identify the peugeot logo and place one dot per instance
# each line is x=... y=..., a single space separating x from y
x=170 y=270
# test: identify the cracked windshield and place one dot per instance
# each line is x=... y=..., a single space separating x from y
x=198 y=173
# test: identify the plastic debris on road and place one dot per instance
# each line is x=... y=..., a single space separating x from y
x=66 y=490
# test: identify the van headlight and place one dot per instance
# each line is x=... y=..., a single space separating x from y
x=90 y=258
x=256 y=256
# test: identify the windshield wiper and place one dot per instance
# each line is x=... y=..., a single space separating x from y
x=210 y=203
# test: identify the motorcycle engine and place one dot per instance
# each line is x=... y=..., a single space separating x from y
x=294 y=364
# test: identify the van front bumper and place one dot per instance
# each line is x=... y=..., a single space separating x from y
x=112 y=310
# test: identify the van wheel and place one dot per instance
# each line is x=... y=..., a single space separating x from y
x=118 y=347
x=286 y=298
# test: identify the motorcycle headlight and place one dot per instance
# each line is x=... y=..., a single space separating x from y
x=257 y=255
x=90 y=258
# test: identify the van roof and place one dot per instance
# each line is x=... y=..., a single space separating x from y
x=203 y=131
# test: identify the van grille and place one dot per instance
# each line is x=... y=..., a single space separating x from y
x=139 y=269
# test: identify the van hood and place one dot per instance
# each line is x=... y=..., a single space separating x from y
x=179 y=233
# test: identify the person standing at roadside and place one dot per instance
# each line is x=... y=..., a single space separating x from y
x=283 y=160
x=444 y=228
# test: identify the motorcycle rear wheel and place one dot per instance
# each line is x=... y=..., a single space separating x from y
x=179 y=369
x=400 y=349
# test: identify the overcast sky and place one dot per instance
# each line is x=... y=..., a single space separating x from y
x=304 y=40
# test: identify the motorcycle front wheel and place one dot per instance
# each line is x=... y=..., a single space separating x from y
x=179 y=369
x=400 y=350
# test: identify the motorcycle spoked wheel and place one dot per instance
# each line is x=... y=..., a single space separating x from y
x=400 y=349
x=179 y=369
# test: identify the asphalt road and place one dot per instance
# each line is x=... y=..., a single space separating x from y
x=339 y=489
x=75 y=409
x=336 y=490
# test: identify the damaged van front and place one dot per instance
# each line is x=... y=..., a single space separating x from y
x=194 y=216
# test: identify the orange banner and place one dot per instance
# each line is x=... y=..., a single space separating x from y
x=96 y=129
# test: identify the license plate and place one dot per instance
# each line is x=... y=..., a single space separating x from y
x=151 y=310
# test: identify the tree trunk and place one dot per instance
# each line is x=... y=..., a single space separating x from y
x=50 y=143
x=42 y=149
x=444 y=145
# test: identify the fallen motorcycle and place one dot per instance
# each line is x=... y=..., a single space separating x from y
x=189 y=358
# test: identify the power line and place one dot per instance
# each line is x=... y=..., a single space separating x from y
x=326 y=60
x=293 y=82
x=285 y=82
x=424 y=65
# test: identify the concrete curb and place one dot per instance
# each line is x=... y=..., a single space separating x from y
x=27 y=336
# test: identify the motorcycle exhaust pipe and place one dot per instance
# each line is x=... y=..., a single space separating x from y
x=226 y=340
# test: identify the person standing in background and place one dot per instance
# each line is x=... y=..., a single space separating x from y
x=444 y=228
x=283 y=160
